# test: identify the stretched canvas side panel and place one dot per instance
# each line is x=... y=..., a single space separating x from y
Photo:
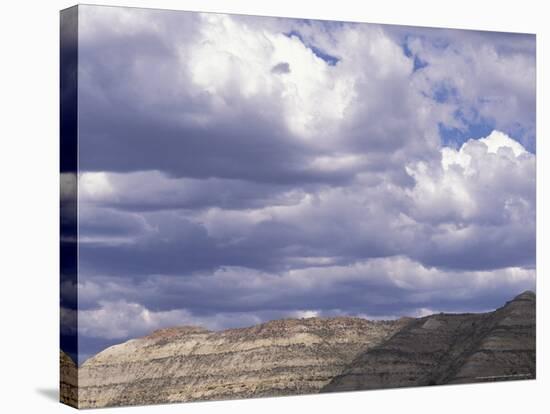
x=68 y=384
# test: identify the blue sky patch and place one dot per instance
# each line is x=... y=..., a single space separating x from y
x=475 y=128
x=321 y=54
x=418 y=63
x=443 y=93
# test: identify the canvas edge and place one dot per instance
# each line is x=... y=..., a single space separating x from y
x=68 y=208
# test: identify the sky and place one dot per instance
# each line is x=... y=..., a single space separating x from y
x=238 y=169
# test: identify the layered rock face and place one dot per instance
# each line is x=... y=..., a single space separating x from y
x=68 y=380
x=507 y=352
x=298 y=356
x=282 y=357
x=449 y=348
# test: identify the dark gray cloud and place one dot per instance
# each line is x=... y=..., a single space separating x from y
x=281 y=67
x=139 y=112
x=383 y=288
x=155 y=191
x=229 y=174
x=141 y=109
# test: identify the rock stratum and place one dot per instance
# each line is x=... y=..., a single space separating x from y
x=68 y=384
x=282 y=357
x=300 y=356
x=450 y=349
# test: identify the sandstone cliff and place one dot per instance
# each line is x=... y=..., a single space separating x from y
x=450 y=348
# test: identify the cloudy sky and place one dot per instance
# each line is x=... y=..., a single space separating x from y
x=239 y=169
